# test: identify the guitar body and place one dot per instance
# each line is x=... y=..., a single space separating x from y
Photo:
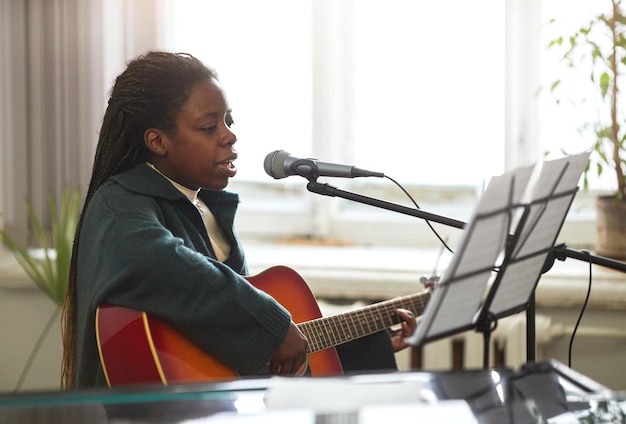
x=289 y=289
x=136 y=348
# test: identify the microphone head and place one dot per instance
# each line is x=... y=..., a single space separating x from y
x=274 y=164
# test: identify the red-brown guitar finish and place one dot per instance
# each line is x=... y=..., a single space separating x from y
x=137 y=348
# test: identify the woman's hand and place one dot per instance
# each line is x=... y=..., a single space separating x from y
x=291 y=354
x=398 y=337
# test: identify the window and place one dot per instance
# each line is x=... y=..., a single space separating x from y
x=401 y=87
x=438 y=96
x=401 y=82
x=263 y=59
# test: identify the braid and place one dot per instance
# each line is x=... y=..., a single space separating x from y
x=148 y=94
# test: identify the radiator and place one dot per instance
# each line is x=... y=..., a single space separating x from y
x=507 y=347
x=463 y=351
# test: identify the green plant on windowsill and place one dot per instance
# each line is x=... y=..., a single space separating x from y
x=601 y=43
x=49 y=269
x=599 y=48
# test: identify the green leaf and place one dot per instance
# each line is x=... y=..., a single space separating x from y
x=572 y=41
x=605 y=80
x=50 y=274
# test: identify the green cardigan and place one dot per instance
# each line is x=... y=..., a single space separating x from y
x=143 y=245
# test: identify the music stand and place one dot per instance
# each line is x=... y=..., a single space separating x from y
x=556 y=187
x=459 y=302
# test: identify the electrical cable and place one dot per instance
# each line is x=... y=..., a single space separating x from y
x=417 y=206
x=582 y=311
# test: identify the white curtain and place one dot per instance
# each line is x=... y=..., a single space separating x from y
x=50 y=55
x=59 y=58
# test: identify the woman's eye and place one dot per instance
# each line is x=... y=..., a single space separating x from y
x=209 y=129
x=229 y=120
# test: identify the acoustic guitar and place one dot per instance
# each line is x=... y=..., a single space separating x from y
x=137 y=348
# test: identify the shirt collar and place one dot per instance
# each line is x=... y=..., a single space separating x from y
x=190 y=194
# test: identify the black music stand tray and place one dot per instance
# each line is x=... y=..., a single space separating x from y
x=460 y=302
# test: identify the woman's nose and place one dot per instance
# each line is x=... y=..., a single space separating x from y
x=229 y=137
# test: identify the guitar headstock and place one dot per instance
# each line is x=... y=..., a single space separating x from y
x=430 y=282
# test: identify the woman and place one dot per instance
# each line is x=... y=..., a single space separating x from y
x=156 y=233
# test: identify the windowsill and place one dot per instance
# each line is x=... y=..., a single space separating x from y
x=377 y=273
x=12 y=276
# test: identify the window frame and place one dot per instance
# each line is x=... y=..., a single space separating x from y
x=284 y=209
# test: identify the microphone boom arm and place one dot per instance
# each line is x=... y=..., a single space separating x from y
x=328 y=190
x=562 y=252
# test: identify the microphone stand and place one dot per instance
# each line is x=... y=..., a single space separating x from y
x=560 y=252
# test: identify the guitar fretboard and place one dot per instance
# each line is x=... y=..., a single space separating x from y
x=326 y=332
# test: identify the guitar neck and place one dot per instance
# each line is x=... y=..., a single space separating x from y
x=323 y=333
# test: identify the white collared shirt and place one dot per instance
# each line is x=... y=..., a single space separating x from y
x=216 y=235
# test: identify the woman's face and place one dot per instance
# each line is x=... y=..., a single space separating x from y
x=200 y=153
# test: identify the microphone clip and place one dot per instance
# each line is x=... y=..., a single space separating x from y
x=306 y=168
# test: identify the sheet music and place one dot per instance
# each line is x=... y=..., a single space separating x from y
x=552 y=196
x=456 y=303
x=573 y=165
x=460 y=292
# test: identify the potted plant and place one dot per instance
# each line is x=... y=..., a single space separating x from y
x=49 y=264
x=600 y=46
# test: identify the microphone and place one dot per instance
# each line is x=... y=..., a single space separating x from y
x=280 y=164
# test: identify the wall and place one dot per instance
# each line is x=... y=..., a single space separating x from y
x=24 y=312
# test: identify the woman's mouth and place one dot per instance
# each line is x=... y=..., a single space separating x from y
x=228 y=168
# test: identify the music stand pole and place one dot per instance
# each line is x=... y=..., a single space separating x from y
x=531 y=332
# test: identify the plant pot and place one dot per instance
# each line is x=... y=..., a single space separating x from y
x=611 y=227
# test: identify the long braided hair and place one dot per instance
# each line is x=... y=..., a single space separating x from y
x=148 y=94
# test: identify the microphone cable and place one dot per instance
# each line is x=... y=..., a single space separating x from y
x=443 y=242
x=582 y=311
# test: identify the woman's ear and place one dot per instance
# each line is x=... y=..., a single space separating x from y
x=153 y=139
